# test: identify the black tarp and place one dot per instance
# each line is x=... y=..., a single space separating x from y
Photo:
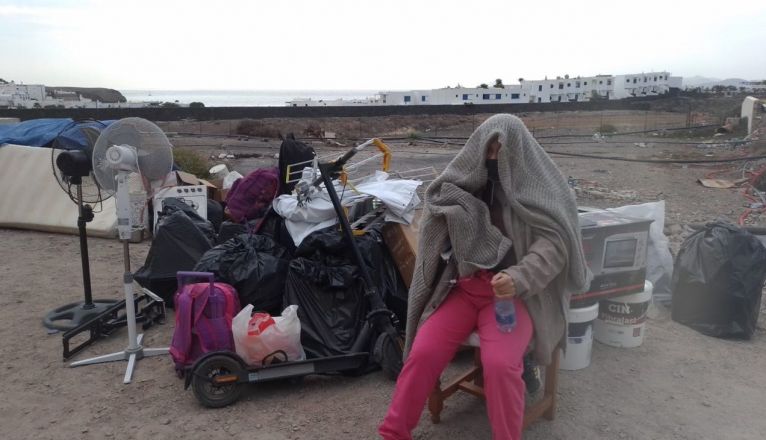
x=717 y=281
x=255 y=265
x=178 y=244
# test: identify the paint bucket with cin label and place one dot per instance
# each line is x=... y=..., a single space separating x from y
x=579 y=338
x=622 y=321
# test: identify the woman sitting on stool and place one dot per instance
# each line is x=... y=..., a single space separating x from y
x=500 y=221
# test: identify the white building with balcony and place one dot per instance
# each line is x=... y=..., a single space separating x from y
x=642 y=84
x=454 y=96
x=570 y=89
x=564 y=89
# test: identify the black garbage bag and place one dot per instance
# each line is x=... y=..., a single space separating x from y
x=326 y=245
x=230 y=230
x=384 y=273
x=171 y=204
x=178 y=244
x=329 y=247
x=215 y=213
x=717 y=281
x=255 y=265
x=331 y=305
x=273 y=225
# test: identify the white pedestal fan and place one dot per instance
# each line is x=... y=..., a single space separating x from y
x=129 y=146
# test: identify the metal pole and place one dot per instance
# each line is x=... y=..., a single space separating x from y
x=130 y=304
x=84 y=251
x=646 y=116
x=379 y=315
x=345 y=226
x=689 y=116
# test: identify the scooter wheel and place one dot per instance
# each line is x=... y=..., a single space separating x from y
x=388 y=354
x=207 y=391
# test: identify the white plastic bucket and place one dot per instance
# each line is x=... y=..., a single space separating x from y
x=218 y=173
x=622 y=321
x=580 y=338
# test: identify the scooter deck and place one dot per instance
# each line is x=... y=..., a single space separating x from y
x=286 y=370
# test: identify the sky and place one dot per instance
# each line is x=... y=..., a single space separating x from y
x=366 y=45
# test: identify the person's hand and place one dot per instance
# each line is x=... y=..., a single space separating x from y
x=502 y=285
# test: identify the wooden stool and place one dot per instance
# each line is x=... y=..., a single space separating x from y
x=472 y=382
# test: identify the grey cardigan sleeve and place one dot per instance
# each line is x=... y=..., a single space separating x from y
x=537 y=268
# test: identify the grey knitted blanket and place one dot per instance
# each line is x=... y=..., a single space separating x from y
x=538 y=196
x=480 y=245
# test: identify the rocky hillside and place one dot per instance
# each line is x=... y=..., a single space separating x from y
x=95 y=93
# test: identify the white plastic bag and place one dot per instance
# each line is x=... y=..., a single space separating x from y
x=261 y=339
x=229 y=180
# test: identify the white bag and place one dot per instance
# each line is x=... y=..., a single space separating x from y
x=261 y=339
x=229 y=179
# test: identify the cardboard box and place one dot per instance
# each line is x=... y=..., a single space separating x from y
x=615 y=249
x=193 y=195
x=184 y=178
x=402 y=242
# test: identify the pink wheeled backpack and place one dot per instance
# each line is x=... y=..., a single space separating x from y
x=204 y=312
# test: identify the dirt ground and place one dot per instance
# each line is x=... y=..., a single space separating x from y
x=678 y=385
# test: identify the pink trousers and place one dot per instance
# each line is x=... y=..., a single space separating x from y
x=469 y=307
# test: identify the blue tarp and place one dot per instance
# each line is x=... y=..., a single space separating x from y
x=43 y=132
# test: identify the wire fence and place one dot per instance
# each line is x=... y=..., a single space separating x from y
x=542 y=125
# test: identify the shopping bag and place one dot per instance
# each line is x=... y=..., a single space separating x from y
x=261 y=339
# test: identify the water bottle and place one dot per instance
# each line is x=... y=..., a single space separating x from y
x=505 y=313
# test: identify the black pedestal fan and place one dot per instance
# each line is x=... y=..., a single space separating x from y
x=73 y=171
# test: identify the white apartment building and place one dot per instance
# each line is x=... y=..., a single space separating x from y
x=454 y=96
x=564 y=89
x=643 y=84
x=38 y=96
x=570 y=89
x=13 y=95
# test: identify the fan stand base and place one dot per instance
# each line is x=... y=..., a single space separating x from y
x=75 y=314
x=135 y=350
x=132 y=356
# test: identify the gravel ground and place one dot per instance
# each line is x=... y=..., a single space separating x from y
x=678 y=385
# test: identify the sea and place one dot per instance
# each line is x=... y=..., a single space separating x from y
x=241 y=98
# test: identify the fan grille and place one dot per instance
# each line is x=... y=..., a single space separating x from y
x=154 y=151
x=91 y=192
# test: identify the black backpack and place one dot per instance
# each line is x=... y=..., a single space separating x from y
x=291 y=152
